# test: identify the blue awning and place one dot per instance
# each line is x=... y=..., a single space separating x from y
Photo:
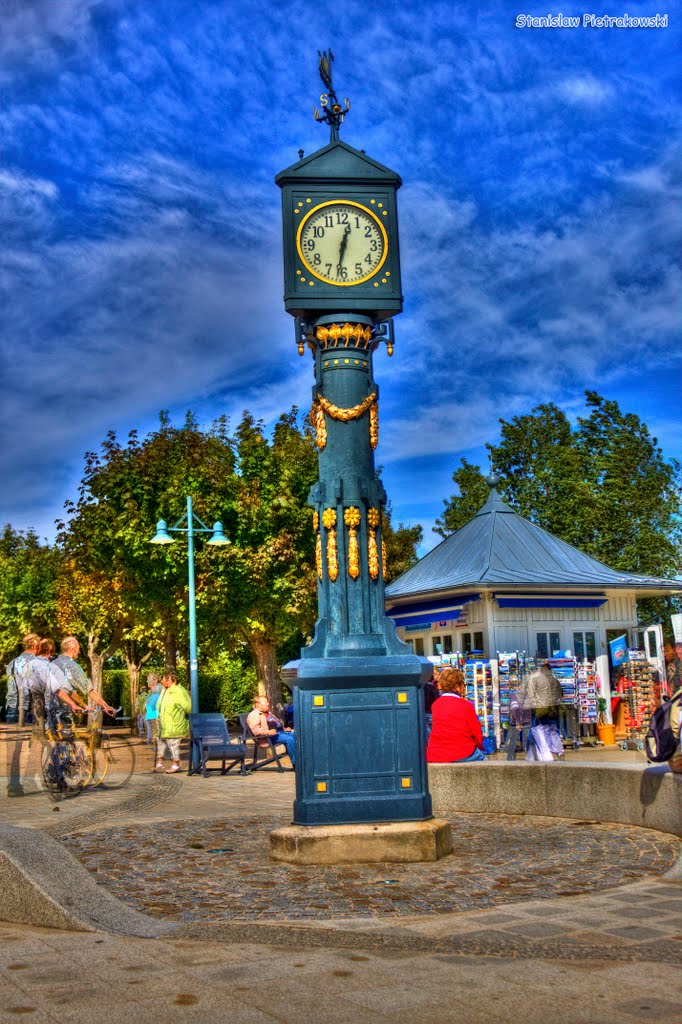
x=426 y=618
x=550 y=601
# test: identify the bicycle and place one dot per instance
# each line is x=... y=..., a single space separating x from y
x=80 y=756
x=66 y=763
x=113 y=757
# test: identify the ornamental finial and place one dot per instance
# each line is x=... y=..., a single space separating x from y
x=333 y=113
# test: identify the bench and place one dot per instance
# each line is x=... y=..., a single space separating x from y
x=210 y=741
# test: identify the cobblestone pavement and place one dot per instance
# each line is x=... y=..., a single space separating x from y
x=215 y=870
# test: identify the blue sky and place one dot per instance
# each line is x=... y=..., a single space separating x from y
x=540 y=224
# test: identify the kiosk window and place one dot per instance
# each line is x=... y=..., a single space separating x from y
x=547 y=644
x=585 y=646
x=478 y=641
x=466 y=643
x=447 y=644
x=419 y=646
x=436 y=645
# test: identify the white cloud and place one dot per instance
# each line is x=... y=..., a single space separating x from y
x=584 y=90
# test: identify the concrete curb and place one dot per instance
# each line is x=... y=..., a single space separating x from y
x=649 y=798
x=42 y=884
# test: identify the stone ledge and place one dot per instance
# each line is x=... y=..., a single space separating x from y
x=42 y=883
x=394 y=843
x=649 y=798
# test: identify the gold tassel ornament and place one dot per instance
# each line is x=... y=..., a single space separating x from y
x=329 y=523
x=351 y=518
x=318 y=544
x=372 y=550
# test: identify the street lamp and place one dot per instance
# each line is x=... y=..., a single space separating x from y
x=218 y=539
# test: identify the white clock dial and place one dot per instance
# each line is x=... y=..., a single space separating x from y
x=342 y=243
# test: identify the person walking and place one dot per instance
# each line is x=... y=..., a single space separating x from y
x=20 y=673
x=151 y=712
x=18 y=708
x=675 y=762
x=174 y=706
x=540 y=693
x=66 y=662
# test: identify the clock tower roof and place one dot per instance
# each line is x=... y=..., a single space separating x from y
x=338 y=162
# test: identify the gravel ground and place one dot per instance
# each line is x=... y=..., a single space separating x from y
x=220 y=870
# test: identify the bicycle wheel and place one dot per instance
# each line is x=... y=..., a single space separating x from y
x=50 y=760
x=78 y=770
x=114 y=761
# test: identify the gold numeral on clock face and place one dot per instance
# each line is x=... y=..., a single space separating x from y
x=342 y=243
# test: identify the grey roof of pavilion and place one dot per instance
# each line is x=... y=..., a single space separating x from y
x=500 y=547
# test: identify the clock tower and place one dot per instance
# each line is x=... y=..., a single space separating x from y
x=358 y=702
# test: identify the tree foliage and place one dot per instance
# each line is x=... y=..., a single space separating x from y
x=602 y=485
x=266 y=587
x=28 y=588
x=401 y=544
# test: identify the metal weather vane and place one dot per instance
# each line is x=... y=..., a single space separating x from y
x=333 y=113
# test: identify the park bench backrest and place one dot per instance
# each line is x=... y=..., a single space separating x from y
x=211 y=728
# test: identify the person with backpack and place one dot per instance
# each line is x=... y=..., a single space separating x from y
x=675 y=761
x=662 y=741
x=540 y=694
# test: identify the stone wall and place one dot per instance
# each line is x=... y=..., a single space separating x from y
x=650 y=797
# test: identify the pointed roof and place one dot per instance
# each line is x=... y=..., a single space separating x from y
x=338 y=161
x=499 y=547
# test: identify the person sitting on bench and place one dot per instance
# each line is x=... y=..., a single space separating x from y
x=262 y=723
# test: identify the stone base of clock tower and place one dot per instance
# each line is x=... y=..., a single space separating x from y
x=402 y=842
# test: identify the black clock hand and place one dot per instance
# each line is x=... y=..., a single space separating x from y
x=344 y=243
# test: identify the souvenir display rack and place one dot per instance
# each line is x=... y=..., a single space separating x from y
x=511 y=667
x=479 y=690
x=638 y=690
x=564 y=669
x=587 y=692
x=508 y=676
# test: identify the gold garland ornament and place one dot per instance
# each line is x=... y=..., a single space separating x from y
x=318 y=543
x=329 y=523
x=322 y=406
x=374 y=424
x=319 y=425
x=372 y=550
x=351 y=518
x=383 y=558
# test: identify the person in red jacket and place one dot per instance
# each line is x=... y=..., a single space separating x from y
x=456 y=731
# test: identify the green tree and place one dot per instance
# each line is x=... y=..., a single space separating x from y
x=267 y=583
x=401 y=544
x=603 y=486
x=89 y=607
x=252 y=595
x=28 y=588
x=125 y=489
x=460 y=508
x=636 y=491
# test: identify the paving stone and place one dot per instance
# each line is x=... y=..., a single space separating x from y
x=635 y=932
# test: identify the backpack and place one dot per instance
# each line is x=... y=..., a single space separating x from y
x=660 y=741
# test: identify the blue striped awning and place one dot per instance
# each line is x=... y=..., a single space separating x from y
x=550 y=600
x=426 y=618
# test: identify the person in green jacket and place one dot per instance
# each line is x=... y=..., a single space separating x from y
x=174 y=706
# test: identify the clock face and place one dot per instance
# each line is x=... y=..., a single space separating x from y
x=342 y=242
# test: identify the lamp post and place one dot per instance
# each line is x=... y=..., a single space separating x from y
x=218 y=539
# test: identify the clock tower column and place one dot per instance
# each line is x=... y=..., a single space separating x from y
x=359 y=712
